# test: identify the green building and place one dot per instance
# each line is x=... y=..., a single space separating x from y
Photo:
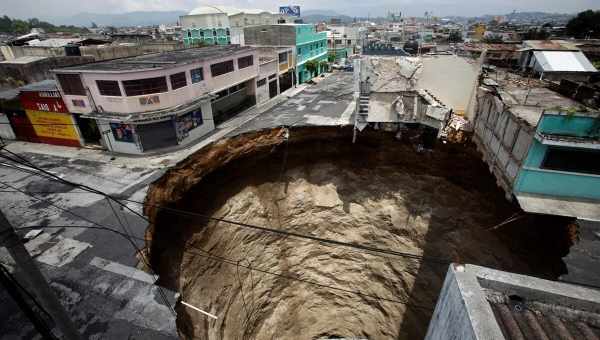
x=308 y=45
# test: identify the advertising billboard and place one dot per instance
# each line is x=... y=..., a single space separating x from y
x=293 y=11
x=54 y=127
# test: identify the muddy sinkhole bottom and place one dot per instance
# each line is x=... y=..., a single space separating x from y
x=397 y=200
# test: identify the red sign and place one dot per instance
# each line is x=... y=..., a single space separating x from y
x=42 y=101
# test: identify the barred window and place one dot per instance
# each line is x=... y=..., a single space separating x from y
x=108 y=87
x=178 y=80
x=245 y=61
x=71 y=84
x=138 y=87
x=221 y=68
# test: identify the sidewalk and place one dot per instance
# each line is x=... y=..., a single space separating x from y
x=160 y=160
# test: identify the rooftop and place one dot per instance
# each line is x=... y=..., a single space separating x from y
x=162 y=60
x=528 y=98
x=23 y=60
x=563 y=61
x=492 y=304
x=549 y=45
x=44 y=85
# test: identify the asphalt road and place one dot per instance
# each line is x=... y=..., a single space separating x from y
x=93 y=271
x=329 y=102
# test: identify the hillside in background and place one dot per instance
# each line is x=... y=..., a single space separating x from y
x=119 y=20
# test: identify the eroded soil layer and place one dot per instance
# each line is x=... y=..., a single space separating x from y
x=378 y=192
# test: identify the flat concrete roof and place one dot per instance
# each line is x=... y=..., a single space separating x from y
x=162 y=60
x=44 y=85
x=23 y=60
x=514 y=89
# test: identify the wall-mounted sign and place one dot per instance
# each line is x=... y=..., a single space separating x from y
x=54 y=127
x=122 y=132
x=293 y=11
x=150 y=100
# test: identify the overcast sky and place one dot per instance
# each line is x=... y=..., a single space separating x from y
x=58 y=8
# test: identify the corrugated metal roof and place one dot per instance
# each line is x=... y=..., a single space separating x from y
x=520 y=321
x=563 y=61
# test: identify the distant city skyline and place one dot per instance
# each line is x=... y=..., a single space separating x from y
x=47 y=9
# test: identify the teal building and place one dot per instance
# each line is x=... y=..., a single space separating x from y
x=564 y=157
x=308 y=45
x=542 y=147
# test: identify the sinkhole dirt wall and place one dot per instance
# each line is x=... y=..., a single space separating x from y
x=378 y=192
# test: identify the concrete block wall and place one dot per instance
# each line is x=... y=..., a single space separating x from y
x=502 y=138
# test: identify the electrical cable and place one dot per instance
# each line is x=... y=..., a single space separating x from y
x=232 y=262
x=354 y=246
x=138 y=251
x=292 y=278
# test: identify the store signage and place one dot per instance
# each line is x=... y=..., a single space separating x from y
x=150 y=100
x=293 y=11
x=52 y=124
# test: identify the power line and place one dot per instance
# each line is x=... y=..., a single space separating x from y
x=180 y=212
x=138 y=250
x=232 y=262
x=293 y=278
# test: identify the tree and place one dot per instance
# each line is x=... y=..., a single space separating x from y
x=312 y=66
x=585 y=25
x=324 y=65
x=536 y=34
x=493 y=39
x=455 y=37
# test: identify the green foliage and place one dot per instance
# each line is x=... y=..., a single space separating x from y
x=324 y=65
x=585 y=24
x=493 y=39
x=312 y=66
x=596 y=64
x=8 y=25
x=536 y=34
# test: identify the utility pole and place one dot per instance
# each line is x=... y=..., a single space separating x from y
x=36 y=280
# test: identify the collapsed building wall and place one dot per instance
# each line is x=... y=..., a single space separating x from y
x=379 y=192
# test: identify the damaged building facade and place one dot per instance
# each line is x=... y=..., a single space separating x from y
x=160 y=100
x=397 y=93
x=543 y=148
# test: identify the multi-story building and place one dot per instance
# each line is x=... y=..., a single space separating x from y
x=275 y=72
x=541 y=146
x=343 y=41
x=159 y=100
x=306 y=42
x=220 y=25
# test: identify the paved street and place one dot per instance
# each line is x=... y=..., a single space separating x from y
x=94 y=271
x=329 y=102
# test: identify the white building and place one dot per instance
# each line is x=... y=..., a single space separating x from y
x=219 y=25
x=343 y=41
x=159 y=100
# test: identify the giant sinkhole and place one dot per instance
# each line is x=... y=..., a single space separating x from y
x=378 y=192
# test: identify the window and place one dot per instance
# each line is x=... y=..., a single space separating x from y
x=189 y=34
x=261 y=82
x=108 y=87
x=338 y=41
x=138 y=87
x=283 y=59
x=572 y=160
x=273 y=76
x=197 y=75
x=178 y=80
x=244 y=62
x=71 y=84
x=349 y=42
x=221 y=68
